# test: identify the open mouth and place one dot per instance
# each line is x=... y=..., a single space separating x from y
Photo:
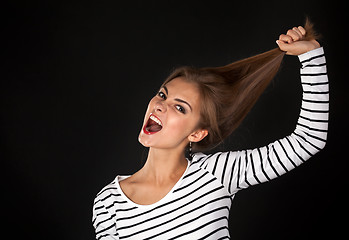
x=153 y=125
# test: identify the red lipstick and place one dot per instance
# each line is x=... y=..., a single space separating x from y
x=153 y=125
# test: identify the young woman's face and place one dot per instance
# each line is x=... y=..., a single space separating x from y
x=172 y=115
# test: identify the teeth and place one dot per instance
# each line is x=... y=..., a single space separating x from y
x=155 y=120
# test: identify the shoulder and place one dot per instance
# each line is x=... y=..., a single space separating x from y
x=128 y=185
x=201 y=158
x=107 y=193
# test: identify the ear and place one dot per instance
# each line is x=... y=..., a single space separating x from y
x=198 y=135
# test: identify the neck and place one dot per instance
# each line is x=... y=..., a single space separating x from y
x=164 y=165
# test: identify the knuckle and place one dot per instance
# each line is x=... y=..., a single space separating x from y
x=302 y=30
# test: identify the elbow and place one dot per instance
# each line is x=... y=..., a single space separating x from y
x=322 y=145
x=315 y=148
x=321 y=142
x=310 y=142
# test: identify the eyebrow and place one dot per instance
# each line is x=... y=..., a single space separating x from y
x=178 y=99
x=182 y=101
x=166 y=90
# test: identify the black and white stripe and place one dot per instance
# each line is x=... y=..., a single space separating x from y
x=255 y=166
x=198 y=205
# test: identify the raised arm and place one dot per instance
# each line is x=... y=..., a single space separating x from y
x=241 y=169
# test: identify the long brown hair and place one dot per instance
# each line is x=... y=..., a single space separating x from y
x=229 y=92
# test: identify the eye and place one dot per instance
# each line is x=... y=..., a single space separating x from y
x=180 y=108
x=162 y=95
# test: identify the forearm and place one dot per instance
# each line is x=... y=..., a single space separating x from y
x=313 y=120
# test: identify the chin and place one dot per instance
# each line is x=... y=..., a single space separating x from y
x=144 y=140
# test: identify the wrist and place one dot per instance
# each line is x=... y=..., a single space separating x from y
x=315 y=52
x=313 y=44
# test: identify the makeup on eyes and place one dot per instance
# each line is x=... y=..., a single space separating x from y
x=176 y=99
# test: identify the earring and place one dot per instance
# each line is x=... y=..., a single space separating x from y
x=190 y=149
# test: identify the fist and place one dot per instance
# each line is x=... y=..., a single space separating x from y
x=294 y=43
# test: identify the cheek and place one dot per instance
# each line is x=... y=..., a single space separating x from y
x=180 y=125
x=176 y=125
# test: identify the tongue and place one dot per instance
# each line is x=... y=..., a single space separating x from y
x=154 y=128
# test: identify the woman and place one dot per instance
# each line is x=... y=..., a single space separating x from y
x=172 y=197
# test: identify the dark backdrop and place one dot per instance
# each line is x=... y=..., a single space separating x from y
x=76 y=81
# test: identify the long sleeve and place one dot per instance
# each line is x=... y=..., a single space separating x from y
x=240 y=169
x=103 y=221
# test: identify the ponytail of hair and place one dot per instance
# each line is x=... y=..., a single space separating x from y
x=229 y=92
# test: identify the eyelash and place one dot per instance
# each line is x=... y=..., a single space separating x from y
x=162 y=95
x=178 y=107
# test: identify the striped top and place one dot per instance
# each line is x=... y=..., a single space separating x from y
x=198 y=205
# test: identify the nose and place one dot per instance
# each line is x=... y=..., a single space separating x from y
x=160 y=106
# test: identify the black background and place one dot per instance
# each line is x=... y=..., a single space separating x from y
x=77 y=78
